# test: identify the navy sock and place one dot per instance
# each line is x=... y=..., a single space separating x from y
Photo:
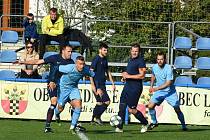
x=50 y=114
x=95 y=111
x=181 y=119
x=102 y=108
x=121 y=113
x=141 y=117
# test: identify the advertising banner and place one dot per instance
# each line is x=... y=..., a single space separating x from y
x=30 y=100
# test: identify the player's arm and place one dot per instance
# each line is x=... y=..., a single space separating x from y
x=32 y=62
x=91 y=74
x=152 y=80
x=165 y=85
x=93 y=85
x=111 y=80
x=52 y=78
x=141 y=75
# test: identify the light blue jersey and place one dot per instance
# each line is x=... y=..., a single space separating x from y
x=71 y=75
x=162 y=75
x=69 y=82
x=169 y=93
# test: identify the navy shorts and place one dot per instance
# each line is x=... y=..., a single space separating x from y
x=54 y=93
x=105 y=96
x=130 y=96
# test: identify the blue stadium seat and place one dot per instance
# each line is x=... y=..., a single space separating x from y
x=4 y=74
x=203 y=63
x=54 y=43
x=203 y=43
x=45 y=75
x=74 y=55
x=9 y=37
x=47 y=54
x=183 y=62
x=183 y=81
x=74 y=43
x=203 y=82
x=183 y=43
x=8 y=56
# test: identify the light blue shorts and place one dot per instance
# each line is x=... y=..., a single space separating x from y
x=171 y=97
x=68 y=95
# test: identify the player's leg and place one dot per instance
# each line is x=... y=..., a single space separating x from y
x=156 y=99
x=58 y=110
x=96 y=108
x=152 y=113
x=173 y=100
x=180 y=116
x=132 y=101
x=62 y=100
x=103 y=102
x=122 y=109
x=50 y=112
x=76 y=103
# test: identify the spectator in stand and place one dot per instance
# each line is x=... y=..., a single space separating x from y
x=52 y=30
x=29 y=71
x=30 y=32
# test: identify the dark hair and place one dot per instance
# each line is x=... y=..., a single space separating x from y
x=63 y=47
x=81 y=58
x=54 y=10
x=103 y=45
x=136 y=45
x=30 y=15
x=163 y=54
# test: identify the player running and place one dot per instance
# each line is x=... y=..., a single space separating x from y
x=72 y=73
x=135 y=72
x=164 y=90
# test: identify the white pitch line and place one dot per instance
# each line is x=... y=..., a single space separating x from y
x=82 y=136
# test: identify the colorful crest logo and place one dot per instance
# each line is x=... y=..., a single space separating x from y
x=14 y=98
x=144 y=100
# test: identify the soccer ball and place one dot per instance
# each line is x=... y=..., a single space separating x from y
x=115 y=120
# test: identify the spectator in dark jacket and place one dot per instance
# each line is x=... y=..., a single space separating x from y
x=30 y=33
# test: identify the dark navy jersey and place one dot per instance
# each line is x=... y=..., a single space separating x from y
x=55 y=61
x=133 y=68
x=100 y=67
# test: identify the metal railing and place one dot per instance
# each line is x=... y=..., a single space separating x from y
x=152 y=36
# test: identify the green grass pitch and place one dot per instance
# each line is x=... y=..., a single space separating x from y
x=33 y=130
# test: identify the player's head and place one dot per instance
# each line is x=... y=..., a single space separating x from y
x=66 y=51
x=135 y=50
x=80 y=63
x=53 y=13
x=161 y=59
x=103 y=49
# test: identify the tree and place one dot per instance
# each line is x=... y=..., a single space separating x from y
x=148 y=35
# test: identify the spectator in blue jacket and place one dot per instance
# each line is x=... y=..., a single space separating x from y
x=30 y=32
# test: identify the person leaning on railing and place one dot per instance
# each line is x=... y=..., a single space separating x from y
x=29 y=71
